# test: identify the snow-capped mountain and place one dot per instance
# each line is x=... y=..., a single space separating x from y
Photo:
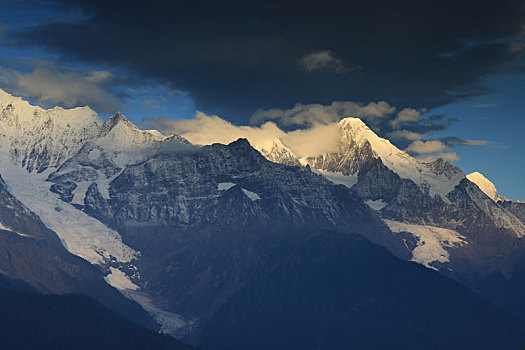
x=179 y=228
x=37 y=145
x=358 y=144
x=35 y=138
x=279 y=153
x=443 y=212
x=515 y=207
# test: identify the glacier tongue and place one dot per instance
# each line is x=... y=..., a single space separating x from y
x=432 y=241
x=82 y=234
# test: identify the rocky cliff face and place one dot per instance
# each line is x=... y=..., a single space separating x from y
x=202 y=219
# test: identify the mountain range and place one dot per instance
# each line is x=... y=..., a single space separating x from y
x=250 y=246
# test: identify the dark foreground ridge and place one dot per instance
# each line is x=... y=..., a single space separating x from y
x=338 y=291
x=34 y=321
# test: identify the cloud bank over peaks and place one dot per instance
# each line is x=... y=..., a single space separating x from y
x=204 y=130
x=318 y=129
x=307 y=115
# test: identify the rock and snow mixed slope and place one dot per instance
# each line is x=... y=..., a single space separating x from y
x=52 y=157
x=358 y=144
x=433 y=196
x=517 y=208
x=34 y=142
x=278 y=153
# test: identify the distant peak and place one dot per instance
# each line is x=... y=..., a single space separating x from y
x=241 y=142
x=175 y=138
x=4 y=93
x=356 y=129
x=485 y=185
x=352 y=122
x=7 y=98
x=118 y=118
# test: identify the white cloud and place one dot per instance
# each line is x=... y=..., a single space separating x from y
x=318 y=139
x=426 y=147
x=406 y=134
x=314 y=114
x=410 y=115
x=315 y=141
x=98 y=77
x=476 y=143
x=205 y=130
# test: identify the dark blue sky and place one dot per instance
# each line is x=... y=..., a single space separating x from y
x=456 y=65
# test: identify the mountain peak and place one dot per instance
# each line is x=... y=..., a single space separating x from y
x=175 y=138
x=241 y=143
x=119 y=116
x=485 y=185
x=358 y=143
x=115 y=120
x=39 y=138
x=6 y=98
x=279 y=153
x=353 y=122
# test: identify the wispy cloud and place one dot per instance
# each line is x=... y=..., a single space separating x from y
x=443 y=148
x=406 y=134
x=426 y=147
x=453 y=141
x=325 y=60
x=485 y=105
x=410 y=129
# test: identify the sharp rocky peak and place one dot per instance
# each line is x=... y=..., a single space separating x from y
x=241 y=143
x=117 y=119
x=357 y=144
x=175 y=138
